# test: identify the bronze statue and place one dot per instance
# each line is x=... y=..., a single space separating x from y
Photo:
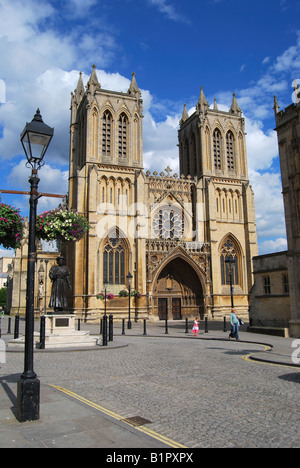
x=60 y=277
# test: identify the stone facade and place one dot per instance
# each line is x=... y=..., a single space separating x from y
x=172 y=232
x=288 y=133
x=269 y=296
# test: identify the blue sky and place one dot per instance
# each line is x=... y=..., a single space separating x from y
x=174 y=47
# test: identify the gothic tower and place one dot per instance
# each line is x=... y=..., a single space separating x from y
x=106 y=158
x=212 y=149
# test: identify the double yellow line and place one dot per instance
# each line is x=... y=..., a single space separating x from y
x=145 y=430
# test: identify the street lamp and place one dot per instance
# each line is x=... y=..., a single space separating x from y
x=230 y=262
x=35 y=140
x=129 y=279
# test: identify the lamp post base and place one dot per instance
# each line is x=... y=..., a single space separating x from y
x=28 y=400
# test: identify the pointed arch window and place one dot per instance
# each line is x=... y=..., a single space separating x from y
x=217 y=148
x=106 y=133
x=123 y=125
x=230 y=150
x=229 y=251
x=114 y=261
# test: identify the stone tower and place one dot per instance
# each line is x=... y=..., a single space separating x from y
x=106 y=159
x=212 y=149
x=288 y=134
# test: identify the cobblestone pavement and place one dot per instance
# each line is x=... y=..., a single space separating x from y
x=198 y=392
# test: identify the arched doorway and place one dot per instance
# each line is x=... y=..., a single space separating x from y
x=178 y=291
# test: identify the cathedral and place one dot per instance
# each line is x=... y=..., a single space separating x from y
x=187 y=240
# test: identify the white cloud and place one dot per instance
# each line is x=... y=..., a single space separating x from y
x=169 y=10
x=275 y=245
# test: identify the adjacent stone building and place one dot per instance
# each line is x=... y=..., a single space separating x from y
x=172 y=233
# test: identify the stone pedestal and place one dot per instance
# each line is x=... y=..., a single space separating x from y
x=61 y=333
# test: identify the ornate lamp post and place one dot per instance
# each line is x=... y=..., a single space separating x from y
x=230 y=261
x=129 y=279
x=35 y=140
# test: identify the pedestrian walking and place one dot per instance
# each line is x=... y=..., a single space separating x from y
x=234 y=321
x=195 y=329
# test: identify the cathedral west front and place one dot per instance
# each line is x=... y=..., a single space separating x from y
x=182 y=237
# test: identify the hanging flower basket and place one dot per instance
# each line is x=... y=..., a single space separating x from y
x=109 y=296
x=11 y=227
x=123 y=293
x=61 y=224
x=133 y=293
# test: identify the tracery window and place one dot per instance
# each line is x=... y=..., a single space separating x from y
x=168 y=223
x=114 y=261
x=217 y=148
x=123 y=121
x=106 y=133
x=229 y=252
x=230 y=151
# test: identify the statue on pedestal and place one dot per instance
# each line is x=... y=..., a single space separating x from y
x=60 y=277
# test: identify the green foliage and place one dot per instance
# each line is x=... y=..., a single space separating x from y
x=11 y=227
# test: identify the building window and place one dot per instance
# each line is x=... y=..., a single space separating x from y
x=267 y=285
x=229 y=252
x=106 y=133
x=286 y=288
x=114 y=261
x=123 y=121
x=168 y=223
x=217 y=148
x=229 y=149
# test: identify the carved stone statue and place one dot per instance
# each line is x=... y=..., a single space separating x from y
x=60 y=277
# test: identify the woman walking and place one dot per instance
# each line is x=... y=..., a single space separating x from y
x=234 y=321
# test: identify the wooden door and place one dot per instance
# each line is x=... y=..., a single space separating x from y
x=176 y=308
x=162 y=308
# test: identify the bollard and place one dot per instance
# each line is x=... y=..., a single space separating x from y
x=104 y=340
x=0 y=326
x=123 y=326
x=9 y=326
x=101 y=326
x=206 y=327
x=186 y=325
x=225 y=329
x=110 y=330
x=166 y=326
x=16 y=331
x=42 y=332
x=145 y=333
x=78 y=325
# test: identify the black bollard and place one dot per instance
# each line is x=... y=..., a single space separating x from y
x=145 y=333
x=186 y=325
x=104 y=341
x=78 y=325
x=42 y=332
x=0 y=326
x=16 y=331
x=101 y=326
x=9 y=326
x=110 y=329
x=206 y=327
x=225 y=329
x=123 y=326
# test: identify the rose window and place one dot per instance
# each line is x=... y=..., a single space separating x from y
x=168 y=224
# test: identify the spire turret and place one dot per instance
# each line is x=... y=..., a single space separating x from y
x=234 y=106
x=133 y=88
